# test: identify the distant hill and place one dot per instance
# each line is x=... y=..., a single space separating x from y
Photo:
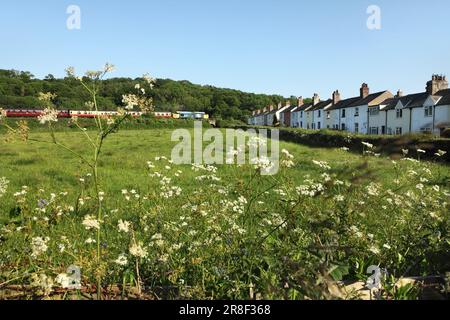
x=19 y=89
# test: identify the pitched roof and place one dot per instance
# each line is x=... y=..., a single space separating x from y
x=367 y=100
x=304 y=107
x=344 y=103
x=445 y=100
x=290 y=109
x=321 y=105
x=409 y=101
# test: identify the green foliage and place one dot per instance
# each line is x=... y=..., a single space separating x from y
x=20 y=89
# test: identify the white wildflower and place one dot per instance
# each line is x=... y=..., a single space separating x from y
x=39 y=246
x=122 y=260
x=124 y=226
x=3 y=186
x=90 y=222
x=137 y=250
x=49 y=115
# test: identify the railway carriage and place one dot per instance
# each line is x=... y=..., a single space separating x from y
x=28 y=113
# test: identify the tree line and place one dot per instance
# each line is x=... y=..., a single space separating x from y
x=20 y=89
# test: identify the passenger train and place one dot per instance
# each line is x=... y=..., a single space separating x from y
x=23 y=113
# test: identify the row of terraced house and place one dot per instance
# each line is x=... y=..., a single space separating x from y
x=369 y=113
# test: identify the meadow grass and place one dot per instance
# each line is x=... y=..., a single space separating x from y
x=229 y=233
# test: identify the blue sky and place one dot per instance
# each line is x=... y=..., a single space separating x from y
x=288 y=47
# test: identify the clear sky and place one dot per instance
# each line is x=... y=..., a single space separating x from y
x=288 y=47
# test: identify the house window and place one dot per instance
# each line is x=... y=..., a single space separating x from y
x=313 y=126
x=429 y=111
x=399 y=113
x=399 y=131
x=343 y=127
x=328 y=115
x=301 y=124
x=343 y=113
x=374 y=130
x=356 y=112
x=318 y=126
x=356 y=127
x=319 y=113
x=301 y=114
x=374 y=111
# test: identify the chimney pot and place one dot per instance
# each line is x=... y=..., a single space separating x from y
x=336 y=97
x=436 y=84
x=399 y=93
x=364 y=92
x=300 y=101
x=316 y=99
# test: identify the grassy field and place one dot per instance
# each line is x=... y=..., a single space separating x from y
x=217 y=232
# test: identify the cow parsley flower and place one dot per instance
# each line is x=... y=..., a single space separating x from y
x=64 y=280
x=124 y=226
x=90 y=222
x=130 y=100
x=137 y=250
x=42 y=282
x=49 y=115
x=3 y=186
x=121 y=260
x=322 y=164
x=39 y=246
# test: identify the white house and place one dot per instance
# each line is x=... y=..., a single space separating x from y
x=299 y=116
x=442 y=112
x=318 y=114
x=426 y=112
x=356 y=116
x=377 y=113
x=273 y=116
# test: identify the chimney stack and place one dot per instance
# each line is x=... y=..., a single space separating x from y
x=316 y=99
x=300 y=101
x=437 y=83
x=336 y=97
x=399 y=94
x=288 y=103
x=271 y=108
x=364 y=91
x=264 y=109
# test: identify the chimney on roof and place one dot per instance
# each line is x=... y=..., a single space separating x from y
x=271 y=108
x=336 y=97
x=253 y=112
x=280 y=105
x=316 y=99
x=399 y=94
x=288 y=103
x=437 y=83
x=300 y=101
x=364 y=91
x=264 y=109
